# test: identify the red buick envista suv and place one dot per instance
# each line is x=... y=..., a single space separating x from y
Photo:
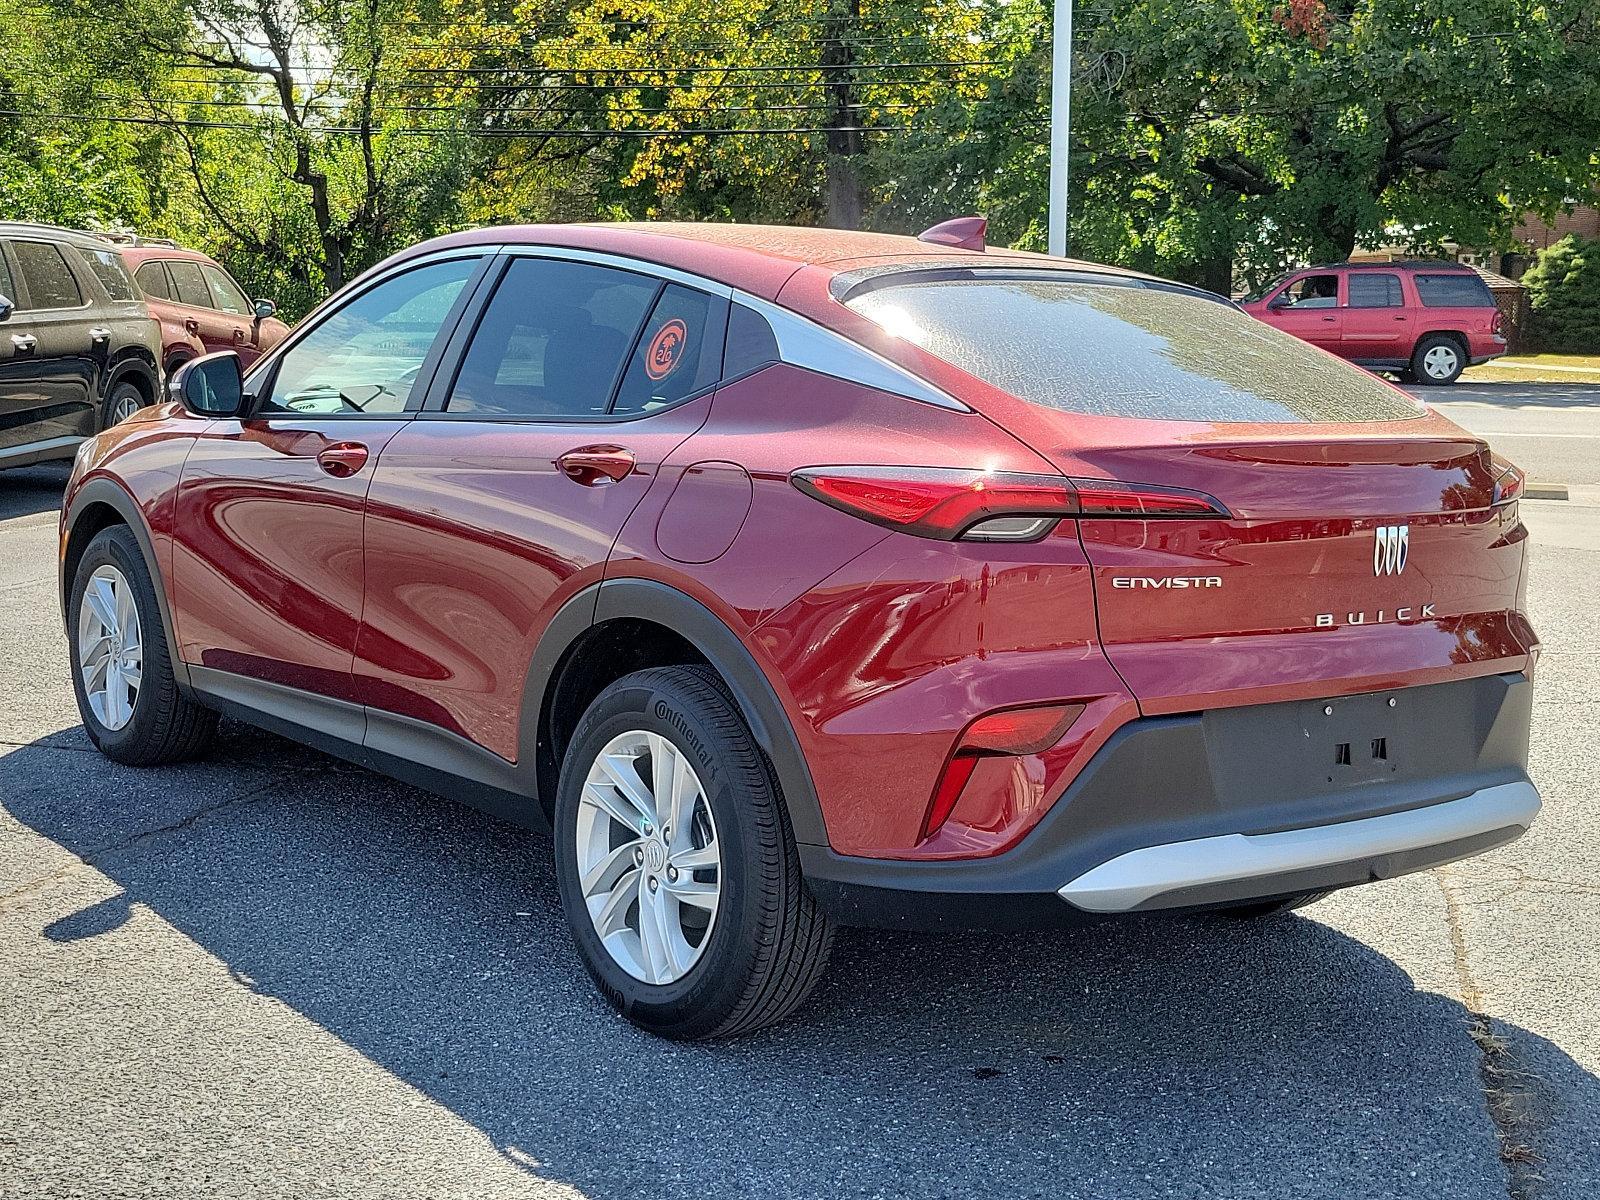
x=799 y=577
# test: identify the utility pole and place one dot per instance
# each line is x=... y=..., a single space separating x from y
x=1060 y=123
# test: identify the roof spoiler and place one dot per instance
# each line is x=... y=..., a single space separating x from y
x=964 y=232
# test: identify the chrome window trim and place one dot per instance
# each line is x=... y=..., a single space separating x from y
x=621 y=262
x=804 y=343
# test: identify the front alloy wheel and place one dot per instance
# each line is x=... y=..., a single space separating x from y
x=648 y=857
x=110 y=648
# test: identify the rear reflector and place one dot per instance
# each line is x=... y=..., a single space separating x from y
x=951 y=784
x=950 y=503
x=1013 y=731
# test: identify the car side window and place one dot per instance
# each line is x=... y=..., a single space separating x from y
x=225 y=294
x=46 y=275
x=152 y=279
x=7 y=288
x=676 y=355
x=552 y=340
x=113 y=276
x=1374 y=289
x=750 y=343
x=1313 y=291
x=364 y=358
x=188 y=285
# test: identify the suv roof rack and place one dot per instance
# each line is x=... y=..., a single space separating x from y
x=119 y=238
x=1421 y=264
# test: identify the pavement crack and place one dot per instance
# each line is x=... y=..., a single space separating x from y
x=1507 y=1087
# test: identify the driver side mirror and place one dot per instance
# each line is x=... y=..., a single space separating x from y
x=265 y=309
x=1281 y=300
x=6 y=308
x=209 y=386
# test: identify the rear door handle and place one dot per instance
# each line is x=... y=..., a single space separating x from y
x=24 y=341
x=191 y=325
x=592 y=465
x=99 y=333
x=343 y=459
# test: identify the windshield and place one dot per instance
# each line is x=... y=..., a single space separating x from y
x=1128 y=351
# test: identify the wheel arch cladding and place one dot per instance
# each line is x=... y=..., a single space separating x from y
x=622 y=625
x=100 y=504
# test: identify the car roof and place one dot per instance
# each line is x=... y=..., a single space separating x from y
x=157 y=251
x=1408 y=264
x=76 y=237
x=757 y=259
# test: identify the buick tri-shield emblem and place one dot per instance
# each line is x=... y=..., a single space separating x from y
x=1389 y=551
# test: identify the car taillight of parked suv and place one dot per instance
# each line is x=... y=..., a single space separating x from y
x=1426 y=321
x=78 y=349
x=200 y=306
x=798 y=578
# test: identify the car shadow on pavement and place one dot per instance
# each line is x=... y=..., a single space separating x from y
x=1511 y=394
x=1154 y=1057
x=25 y=491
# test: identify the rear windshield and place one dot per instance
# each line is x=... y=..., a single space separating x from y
x=1127 y=351
x=1454 y=291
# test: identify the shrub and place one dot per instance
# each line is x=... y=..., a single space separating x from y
x=1564 y=292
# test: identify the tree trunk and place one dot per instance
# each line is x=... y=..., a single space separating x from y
x=1215 y=274
x=844 y=140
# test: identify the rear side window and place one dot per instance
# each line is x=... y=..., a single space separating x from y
x=7 y=288
x=225 y=294
x=1374 y=290
x=1457 y=290
x=676 y=353
x=113 y=276
x=188 y=285
x=750 y=344
x=1121 y=351
x=152 y=279
x=46 y=275
x=552 y=341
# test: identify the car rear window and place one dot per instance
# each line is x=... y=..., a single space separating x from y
x=113 y=276
x=1128 y=351
x=1457 y=290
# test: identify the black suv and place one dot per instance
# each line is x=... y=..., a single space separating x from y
x=78 y=347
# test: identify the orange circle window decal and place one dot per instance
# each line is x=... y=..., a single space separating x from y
x=665 y=351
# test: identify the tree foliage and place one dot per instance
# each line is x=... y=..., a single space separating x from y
x=1564 y=291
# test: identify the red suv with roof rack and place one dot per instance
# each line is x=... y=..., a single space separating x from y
x=1427 y=321
x=200 y=306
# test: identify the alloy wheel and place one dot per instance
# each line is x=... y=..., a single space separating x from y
x=649 y=864
x=110 y=647
x=126 y=405
x=1440 y=362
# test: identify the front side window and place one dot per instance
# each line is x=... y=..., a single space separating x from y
x=188 y=285
x=364 y=358
x=113 y=276
x=1127 y=351
x=675 y=357
x=1458 y=290
x=1374 y=289
x=1313 y=291
x=152 y=277
x=225 y=294
x=46 y=275
x=552 y=340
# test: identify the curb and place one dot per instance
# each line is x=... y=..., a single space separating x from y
x=1545 y=491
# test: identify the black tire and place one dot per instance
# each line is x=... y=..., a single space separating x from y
x=1429 y=375
x=166 y=726
x=769 y=942
x=1271 y=908
x=120 y=395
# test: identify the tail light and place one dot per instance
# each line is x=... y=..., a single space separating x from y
x=1498 y=323
x=988 y=506
x=1508 y=486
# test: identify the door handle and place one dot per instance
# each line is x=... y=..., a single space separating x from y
x=239 y=335
x=190 y=324
x=99 y=333
x=1400 y=318
x=24 y=341
x=592 y=465
x=343 y=459
x=1327 y=318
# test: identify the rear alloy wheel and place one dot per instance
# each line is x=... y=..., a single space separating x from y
x=676 y=864
x=124 y=401
x=122 y=675
x=1437 y=360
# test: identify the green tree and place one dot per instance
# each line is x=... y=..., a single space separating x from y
x=1564 y=291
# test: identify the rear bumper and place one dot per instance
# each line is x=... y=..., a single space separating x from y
x=1233 y=805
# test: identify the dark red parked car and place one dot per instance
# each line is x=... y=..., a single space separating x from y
x=1426 y=321
x=201 y=308
x=800 y=577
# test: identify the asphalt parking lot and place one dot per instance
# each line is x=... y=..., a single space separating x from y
x=269 y=974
